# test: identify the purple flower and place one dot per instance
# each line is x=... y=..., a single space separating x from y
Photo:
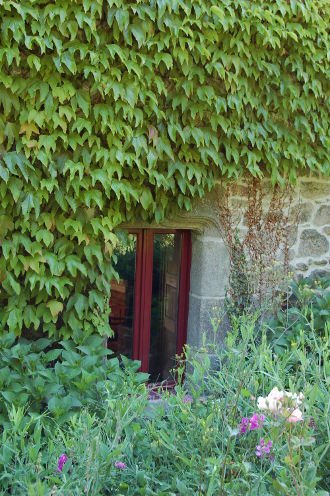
x=263 y=449
x=120 y=465
x=187 y=399
x=311 y=423
x=243 y=425
x=256 y=421
x=61 y=461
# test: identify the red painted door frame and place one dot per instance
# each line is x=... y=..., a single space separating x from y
x=137 y=294
x=143 y=292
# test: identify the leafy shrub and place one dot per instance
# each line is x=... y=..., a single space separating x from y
x=62 y=379
x=31 y=447
x=308 y=302
x=191 y=442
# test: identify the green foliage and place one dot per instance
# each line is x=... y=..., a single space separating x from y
x=308 y=299
x=111 y=111
x=37 y=376
x=184 y=444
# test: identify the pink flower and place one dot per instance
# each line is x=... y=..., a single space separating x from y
x=187 y=399
x=120 y=465
x=295 y=416
x=256 y=421
x=272 y=402
x=263 y=449
x=61 y=461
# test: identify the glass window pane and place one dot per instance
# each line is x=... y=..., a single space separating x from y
x=164 y=305
x=122 y=298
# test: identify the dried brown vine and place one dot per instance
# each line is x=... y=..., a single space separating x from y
x=259 y=249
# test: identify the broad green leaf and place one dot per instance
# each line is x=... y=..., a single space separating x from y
x=4 y=173
x=55 y=307
x=52 y=355
x=14 y=284
x=6 y=224
x=146 y=199
x=27 y=204
x=218 y=11
x=73 y=264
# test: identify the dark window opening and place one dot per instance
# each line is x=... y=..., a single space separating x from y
x=149 y=304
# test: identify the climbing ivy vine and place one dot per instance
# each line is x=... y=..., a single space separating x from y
x=115 y=110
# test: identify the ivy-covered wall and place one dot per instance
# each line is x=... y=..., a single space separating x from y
x=115 y=110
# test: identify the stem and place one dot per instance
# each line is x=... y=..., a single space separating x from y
x=223 y=471
x=299 y=472
x=202 y=465
x=291 y=464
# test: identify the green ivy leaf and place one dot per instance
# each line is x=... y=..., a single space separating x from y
x=14 y=284
x=55 y=307
x=73 y=264
x=83 y=102
x=46 y=236
x=146 y=199
x=68 y=60
x=6 y=224
x=219 y=12
x=4 y=173
x=15 y=320
x=27 y=204
x=139 y=34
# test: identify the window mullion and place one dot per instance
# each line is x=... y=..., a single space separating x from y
x=138 y=296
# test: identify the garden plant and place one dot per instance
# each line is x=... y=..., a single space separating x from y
x=256 y=424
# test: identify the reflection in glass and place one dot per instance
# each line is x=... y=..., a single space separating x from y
x=122 y=298
x=164 y=305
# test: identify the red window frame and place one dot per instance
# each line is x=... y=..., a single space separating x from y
x=143 y=292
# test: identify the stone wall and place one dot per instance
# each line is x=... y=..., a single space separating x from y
x=309 y=245
x=310 y=252
x=309 y=238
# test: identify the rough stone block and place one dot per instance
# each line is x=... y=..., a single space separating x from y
x=321 y=262
x=315 y=190
x=312 y=243
x=301 y=266
x=207 y=359
x=322 y=216
x=201 y=314
x=292 y=235
x=326 y=230
x=209 y=267
x=291 y=255
x=240 y=190
x=301 y=213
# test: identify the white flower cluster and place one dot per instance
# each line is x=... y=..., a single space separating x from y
x=283 y=403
